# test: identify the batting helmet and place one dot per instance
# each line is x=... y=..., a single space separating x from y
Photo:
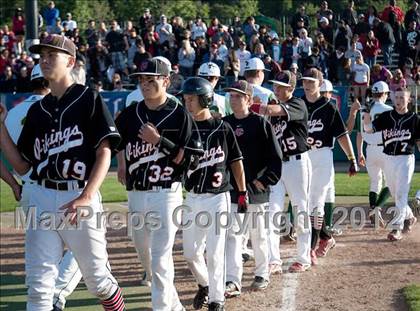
x=200 y=87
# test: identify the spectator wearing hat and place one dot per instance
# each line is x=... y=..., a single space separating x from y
x=71 y=24
x=51 y=13
x=186 y=58
x=299 y=17
x=349 y=14
x=243 y=55
x=163 y=29
x=326 y=29
x=370 y=49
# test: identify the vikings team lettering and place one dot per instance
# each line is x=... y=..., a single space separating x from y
x=209 y=158
x=315 y=125
x=279 y=128
x=144 y=152
x=393 y=135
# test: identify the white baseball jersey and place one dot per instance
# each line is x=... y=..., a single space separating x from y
x=134 y=96
x=242 y=56
x=376 y=110
x=219 y=102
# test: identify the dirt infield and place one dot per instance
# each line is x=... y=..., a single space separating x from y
x=363 y=272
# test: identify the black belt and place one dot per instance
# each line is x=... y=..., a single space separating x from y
x=62 y=185
x=295 y=157
x=379 y=145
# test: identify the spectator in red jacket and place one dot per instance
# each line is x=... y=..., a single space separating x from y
x=392 y=8
x=370 y=48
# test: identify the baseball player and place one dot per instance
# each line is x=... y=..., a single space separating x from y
x=211 y=72
x=156 y=134
x=324 y=124
x=400 y=130
x=135 y=97
x=262 y=164
x=290 y=124
x=375 y=158
x=254 y=75
x=69 y=158
x=208 y=185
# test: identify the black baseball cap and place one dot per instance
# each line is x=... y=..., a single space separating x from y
x=285 y=78
x=152 y=67
x=240 y=86
x=56 y=42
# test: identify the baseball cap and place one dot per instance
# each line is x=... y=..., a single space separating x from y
x=312 y=74
x=254 y=64
x=152 y=67
x=36 y=72
x=380 y=87
x=166 y=61
x=240 y=86
x=209 y=70
x=285 y=78
x=56 y=42
x=326 y=86
x=324 y=20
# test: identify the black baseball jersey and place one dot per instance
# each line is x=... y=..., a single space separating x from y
x=220 y=150
x=324 y=123
x=60 y=137
x=261 y=155
x=399 y=131
x=292 y=130
x=148 y=165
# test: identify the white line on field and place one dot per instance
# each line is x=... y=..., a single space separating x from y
x=290 y=284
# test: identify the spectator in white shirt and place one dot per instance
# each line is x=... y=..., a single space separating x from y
x=71 y=24
x=198 y=29
x=163 y=29
x=361 y=77
x=243 y=55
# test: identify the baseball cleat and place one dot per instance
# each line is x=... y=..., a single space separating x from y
x=201 y=298
x=232 y=290
x=144 y=281
x=215 y=306
x=275 y=268
x=297 y=267
x=334 y=231
x=376 y=215
x=395 y=235
x=409 y=224
x=314 y=259
x=324 y=247
x=259 y=283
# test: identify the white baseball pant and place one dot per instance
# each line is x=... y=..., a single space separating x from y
x=256 y=224
x=158 y=205
x=398 y=172
x=199 y=237
x=375 y=164
x=330 y=196
x=295 y=181
x=44 y=249
x=322 y=174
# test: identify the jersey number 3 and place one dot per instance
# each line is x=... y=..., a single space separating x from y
x=158 y=174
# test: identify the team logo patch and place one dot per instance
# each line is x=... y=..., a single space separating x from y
x=239 y=131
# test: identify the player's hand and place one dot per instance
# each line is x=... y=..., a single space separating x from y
x=149 y=133
x=356 y=106
x=362 y=160
x=242 y=202
x=3 y=112
x=80 y=202
x=121 y=175
x=17 y=192
x=179 y=156
x=258 y=185
x=353 y=168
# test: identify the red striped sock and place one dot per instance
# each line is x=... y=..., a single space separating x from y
x=115 y=302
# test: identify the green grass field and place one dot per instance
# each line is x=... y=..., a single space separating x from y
x=112 y=191
x=412 y=297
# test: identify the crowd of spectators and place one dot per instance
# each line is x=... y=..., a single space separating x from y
x=344 y=46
